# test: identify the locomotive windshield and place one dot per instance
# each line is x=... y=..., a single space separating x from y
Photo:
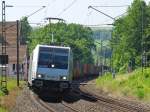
x=53 y=58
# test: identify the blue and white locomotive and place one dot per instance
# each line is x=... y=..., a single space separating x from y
x=51 y=67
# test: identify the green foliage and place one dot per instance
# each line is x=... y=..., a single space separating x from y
x=3 y=91
x=76 y=36
x=140 y=92
x=128 y=33
x=3 y=110
x=11 y=84
x=25 y=29
x=134 y=84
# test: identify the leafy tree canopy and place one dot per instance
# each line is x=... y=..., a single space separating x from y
x=76 y=36
x=130 y=36
x=25 y=29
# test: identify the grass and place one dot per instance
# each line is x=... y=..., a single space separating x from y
x=8 y=101
x=3 y=110
x=133 y=85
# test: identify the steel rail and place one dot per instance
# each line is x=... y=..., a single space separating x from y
x=122 y=105
x=40 y=103
x=70 y=107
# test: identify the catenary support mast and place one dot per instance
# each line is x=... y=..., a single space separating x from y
x=4 y=56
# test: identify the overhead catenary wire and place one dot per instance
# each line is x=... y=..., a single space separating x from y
x=16 y=24
x=101 y=12
x=47 y=8
x=112 y=6
x=27 y=16
x=38 y=23
x=120 y=15
x=97 y=25
x=28 y=6
x=65 y=9
x=35 y=11
x=107 y=6
x=108 y=24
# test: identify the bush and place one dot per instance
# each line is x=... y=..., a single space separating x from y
x=3 y=91
x=140 y=93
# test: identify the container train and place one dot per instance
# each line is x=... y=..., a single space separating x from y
x=51 y=68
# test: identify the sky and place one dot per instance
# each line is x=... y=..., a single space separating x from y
x=72 y=11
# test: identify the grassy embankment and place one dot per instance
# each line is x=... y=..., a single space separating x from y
x=7 y=102
x=133 y=85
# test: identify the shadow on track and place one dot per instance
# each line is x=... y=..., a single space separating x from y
x=74 y=95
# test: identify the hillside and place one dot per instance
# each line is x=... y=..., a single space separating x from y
x=133 y=85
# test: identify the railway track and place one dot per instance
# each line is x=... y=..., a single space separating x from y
x=73 y=109
x=49 y=107
x=40 y=103
x=122 y=106
x=98 y=102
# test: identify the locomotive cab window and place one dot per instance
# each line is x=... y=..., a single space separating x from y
x=44 y=59
x=61 y=62
x=53 y=58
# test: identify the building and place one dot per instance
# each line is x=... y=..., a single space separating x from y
x=11 y=43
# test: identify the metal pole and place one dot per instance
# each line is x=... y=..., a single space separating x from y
x=4 y=58
x=142 y=40
x=105 y=55
x=17 y=53
x=101 y=57
x=112 y=59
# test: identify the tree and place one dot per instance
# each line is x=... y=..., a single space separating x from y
x=25 y=30
x=76 y=36
x=128 y=35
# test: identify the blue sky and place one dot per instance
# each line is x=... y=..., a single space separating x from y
x=73 y=11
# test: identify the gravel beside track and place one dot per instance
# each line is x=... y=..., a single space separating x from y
x=74 y=102
x=26 y=103
x=30 y=102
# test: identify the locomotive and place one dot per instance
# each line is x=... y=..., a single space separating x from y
x=51 y=68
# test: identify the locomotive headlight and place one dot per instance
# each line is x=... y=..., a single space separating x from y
x=39 y=76
x=64 y=77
